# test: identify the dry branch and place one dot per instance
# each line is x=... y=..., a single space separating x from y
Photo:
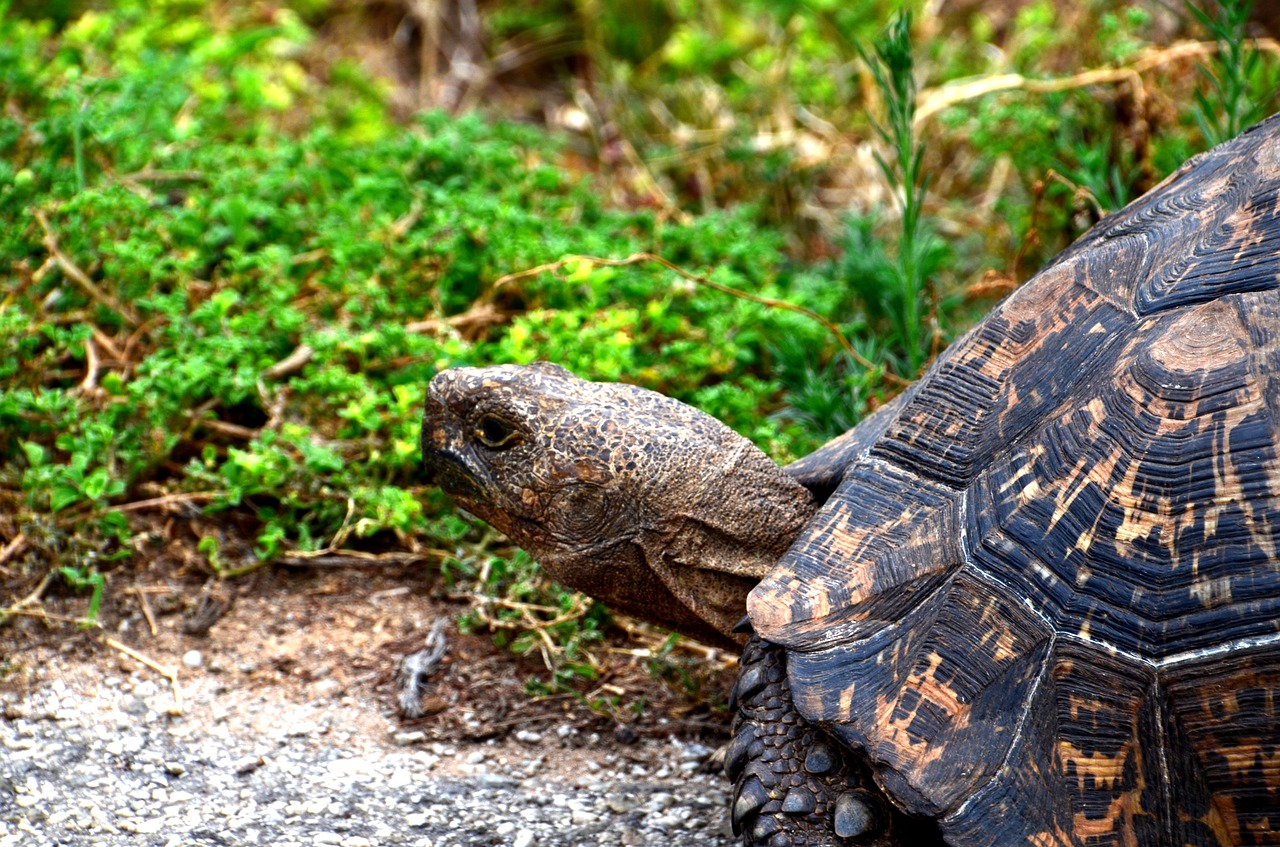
x=944 y=96
x=167 y=672
x=78 y=276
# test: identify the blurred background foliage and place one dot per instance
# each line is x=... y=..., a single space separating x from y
x=238 y=238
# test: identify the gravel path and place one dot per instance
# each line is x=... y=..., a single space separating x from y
x=97 y=760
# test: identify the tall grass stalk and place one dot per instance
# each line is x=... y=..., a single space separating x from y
x=892 y=69
x=1229 y=106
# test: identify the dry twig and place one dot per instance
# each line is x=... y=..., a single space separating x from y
x=944 y=96
x=13 y=548
x=78 y=276
x=168 y=673
x=292 y=363
x=31 y=599
x=167 y=500
x=483 y=603
x=141 y=594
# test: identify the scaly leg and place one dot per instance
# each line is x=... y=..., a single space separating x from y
x=794 y=784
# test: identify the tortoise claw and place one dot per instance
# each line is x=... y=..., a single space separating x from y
x=751 y=681
x=739 y=751
x=750 y=799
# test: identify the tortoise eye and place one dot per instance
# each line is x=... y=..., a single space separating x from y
x=495 y=433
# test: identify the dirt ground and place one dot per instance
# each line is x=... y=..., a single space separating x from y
x=283 y=638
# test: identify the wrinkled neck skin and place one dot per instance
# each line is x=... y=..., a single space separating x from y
x=646 y=504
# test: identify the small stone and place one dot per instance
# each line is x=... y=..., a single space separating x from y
x=192 y=659
x=415 y=819
x=247 y=764
x=151 y=827
x=528 y=736
x=504 y=829
x=133 y=705
x=581 y=818
x=496 y=780
x=665 y=822
x=175 y=768
x=694 y=752
x=524 y=838
x=659 y=800
x=407 y=739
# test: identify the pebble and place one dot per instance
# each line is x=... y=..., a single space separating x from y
x=406 y=739
x=133 y=705
x=117 y=773
x=192 y=659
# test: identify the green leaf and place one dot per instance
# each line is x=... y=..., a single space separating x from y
x=95 y=484
x=63 y=496
x=35 y=453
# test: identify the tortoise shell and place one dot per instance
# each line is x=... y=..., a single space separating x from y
x=1044 y=600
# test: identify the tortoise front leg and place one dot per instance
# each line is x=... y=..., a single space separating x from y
x=794 y=784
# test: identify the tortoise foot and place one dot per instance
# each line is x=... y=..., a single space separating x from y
x=795 y=785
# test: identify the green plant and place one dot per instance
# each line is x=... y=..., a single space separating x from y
x=229 y=270
x=1232 y=101
x=81 y=578
x=902 y=288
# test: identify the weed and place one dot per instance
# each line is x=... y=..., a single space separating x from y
x=900 y=289
x=1234 y=99
x=81 y=578
x=227 y=281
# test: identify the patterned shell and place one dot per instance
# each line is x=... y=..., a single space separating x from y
x=1045 y=598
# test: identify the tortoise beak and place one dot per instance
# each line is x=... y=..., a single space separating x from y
x=444 y=450
x=452 y=473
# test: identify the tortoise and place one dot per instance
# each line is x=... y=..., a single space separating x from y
x=1035 y=599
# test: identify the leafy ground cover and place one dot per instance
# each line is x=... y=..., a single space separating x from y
x=232 y=258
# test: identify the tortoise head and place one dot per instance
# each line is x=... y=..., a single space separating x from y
x=640 y=501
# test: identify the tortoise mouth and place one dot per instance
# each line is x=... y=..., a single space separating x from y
x=452 y=474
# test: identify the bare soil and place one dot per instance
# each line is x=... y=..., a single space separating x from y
x=282 y=640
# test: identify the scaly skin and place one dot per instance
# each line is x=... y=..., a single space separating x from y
x=794 y=784
x=640 y=501
x=664 y=513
